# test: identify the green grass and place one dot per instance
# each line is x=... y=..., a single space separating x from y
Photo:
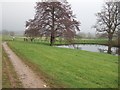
x=6 y=38
x=92 y=41
x=70 y=68
x=97 y=41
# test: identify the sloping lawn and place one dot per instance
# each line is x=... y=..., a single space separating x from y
x=70 y=68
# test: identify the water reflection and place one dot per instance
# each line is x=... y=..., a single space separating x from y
x=92 y=48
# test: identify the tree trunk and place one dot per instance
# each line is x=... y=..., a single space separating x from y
x=52 y=38
x=109 y=44
x=119 y=43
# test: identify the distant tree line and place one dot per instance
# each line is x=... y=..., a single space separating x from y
x=6 y=32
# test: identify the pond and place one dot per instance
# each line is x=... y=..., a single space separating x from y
x=91 y=47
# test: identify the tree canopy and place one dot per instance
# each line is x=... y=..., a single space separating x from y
x=53 y=19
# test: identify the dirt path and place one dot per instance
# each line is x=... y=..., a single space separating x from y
x=28 y=78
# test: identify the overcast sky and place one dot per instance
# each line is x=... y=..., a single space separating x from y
x=14 y=14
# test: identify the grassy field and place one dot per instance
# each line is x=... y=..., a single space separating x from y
x=64 y=67
x=92 y=41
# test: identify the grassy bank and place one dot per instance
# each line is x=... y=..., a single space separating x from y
x=70 y=68
x=9 y=76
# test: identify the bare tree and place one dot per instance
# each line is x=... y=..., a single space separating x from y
x=107 y=21
x=54 y=19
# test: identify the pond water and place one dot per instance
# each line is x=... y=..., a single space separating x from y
x=92 y=48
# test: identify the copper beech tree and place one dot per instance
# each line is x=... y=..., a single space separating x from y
x=53 y=19
x=108 y=21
